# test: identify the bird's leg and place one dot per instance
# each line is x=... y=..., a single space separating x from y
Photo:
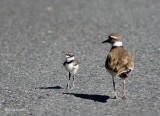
x=73 y=81
x=68 y=84
x=114 y=85
x=123 y=91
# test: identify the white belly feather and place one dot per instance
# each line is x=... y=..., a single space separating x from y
x=71 y=68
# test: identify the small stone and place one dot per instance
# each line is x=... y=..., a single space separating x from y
x=49 y=8
x=49 y=31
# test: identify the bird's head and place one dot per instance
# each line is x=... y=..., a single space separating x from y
x=69 y=56
x=114 y=39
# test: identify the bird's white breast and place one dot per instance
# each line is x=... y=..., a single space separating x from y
x=71 y=68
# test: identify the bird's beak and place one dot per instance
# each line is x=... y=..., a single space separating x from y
x=106 y=41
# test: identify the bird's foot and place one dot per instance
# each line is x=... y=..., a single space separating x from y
x=69 y=87
x=124 y=97
x=115 y=97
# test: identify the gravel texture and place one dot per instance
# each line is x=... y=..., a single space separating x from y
x=35 y=35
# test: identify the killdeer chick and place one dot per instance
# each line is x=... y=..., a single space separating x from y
x=119 y=62
x=72 y=67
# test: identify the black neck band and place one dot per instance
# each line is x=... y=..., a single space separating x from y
x=116 y=47
x=68 y=62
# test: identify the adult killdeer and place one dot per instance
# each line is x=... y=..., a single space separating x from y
x=72 y=67
x=119 y=62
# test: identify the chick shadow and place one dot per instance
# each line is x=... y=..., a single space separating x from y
x=54 y=87
x=94 y=97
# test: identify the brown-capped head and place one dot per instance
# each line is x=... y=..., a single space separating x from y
x=112 y=38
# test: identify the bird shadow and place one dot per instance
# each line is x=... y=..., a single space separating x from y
x=54 y=87
x=94 y=97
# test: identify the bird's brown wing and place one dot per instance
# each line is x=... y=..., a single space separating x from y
x=119 y=61
x=111 y=63
x=126 y=62
x=75 y=62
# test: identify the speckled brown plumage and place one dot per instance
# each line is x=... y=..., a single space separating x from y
x=119 y=61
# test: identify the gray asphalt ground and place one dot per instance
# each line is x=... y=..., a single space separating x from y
x=35 y=35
